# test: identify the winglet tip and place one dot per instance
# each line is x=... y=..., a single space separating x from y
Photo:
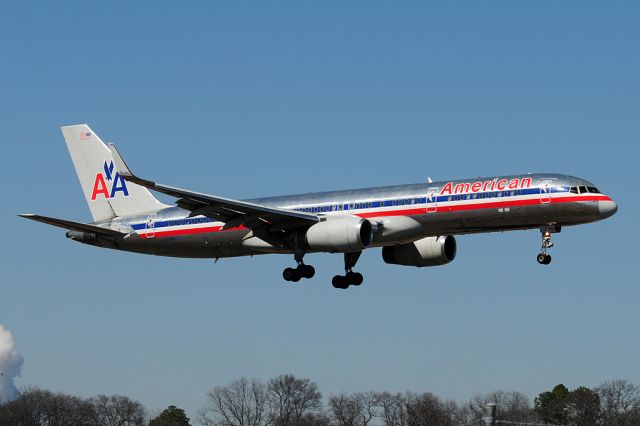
x=119 y=161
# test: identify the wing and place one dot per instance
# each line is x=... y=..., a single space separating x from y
x=232 y=212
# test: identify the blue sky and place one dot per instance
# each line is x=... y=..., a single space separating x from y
x=255 y=99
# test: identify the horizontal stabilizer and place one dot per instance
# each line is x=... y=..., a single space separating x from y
x=73 y=226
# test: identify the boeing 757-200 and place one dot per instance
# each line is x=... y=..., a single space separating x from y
x=414 y=224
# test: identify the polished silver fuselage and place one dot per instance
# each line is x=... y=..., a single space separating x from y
x=400 y=214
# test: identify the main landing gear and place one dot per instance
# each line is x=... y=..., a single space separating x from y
x=543 y=257
x=350 y=277
x=302 y=271
x=296 y=274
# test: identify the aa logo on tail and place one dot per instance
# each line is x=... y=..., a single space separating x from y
x=117 y=183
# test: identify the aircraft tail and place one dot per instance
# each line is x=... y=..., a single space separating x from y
x=108 y=194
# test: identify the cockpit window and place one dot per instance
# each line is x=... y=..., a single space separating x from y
x=574 y=189
x=583 y=189
x=593 y=190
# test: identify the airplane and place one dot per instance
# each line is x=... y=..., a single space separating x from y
x=414 y=224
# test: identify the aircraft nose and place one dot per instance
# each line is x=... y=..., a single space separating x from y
x=607 y=208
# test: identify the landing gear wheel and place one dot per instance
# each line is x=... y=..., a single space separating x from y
x=290 y=274
x=306 y=271
x=354 y=278
x=339 y=281
x=544 y=258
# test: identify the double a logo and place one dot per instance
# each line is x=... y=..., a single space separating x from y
x=116 y=183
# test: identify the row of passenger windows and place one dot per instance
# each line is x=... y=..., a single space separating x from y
x=191 y=221
x=404 y=202
x=584 y=189
x=357 y=206
x=482 y=195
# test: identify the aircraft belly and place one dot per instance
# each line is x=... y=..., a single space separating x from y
x=518 y=217
x=206 y=245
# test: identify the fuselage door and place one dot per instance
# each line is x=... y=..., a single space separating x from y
x=545 y=192
x=151 y=226
x=432 y=199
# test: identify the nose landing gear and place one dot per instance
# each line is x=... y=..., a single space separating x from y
x=543 y=257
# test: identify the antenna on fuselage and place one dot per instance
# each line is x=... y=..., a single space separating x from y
x=429 y=180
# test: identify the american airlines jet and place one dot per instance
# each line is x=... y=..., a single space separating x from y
x=413 y=224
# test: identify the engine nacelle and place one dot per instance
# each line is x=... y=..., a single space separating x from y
x=338 y=234
x=430 y=251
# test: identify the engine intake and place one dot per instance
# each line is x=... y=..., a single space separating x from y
x=338 y=234
x=429 y=251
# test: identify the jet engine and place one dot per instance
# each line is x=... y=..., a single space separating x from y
x=429 y=251
x=338 y=234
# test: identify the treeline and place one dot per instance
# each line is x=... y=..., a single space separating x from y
x=290 y=401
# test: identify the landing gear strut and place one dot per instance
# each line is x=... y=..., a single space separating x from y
x=350 y=277
x=543 y=257
x=301 y=271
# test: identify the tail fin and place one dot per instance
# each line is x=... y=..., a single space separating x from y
x=108 y=194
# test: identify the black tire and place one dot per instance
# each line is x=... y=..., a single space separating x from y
x=307 y=271
x=357 y=278
x=541 y=258
x=288 y=274
x=547 y=259
x=339 y=281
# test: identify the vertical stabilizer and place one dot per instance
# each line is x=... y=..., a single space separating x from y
x=107 y=193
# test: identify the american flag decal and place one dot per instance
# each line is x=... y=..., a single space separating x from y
x=85 y=136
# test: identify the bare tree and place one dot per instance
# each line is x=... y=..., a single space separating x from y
x=117 y=410
x=511 y=406
x=291 y=398
x=427 y=409
x=314 y=419
x=242 y=403
x=392 y=408
x=620 y=402
x=357 y=409
x=36 y=407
